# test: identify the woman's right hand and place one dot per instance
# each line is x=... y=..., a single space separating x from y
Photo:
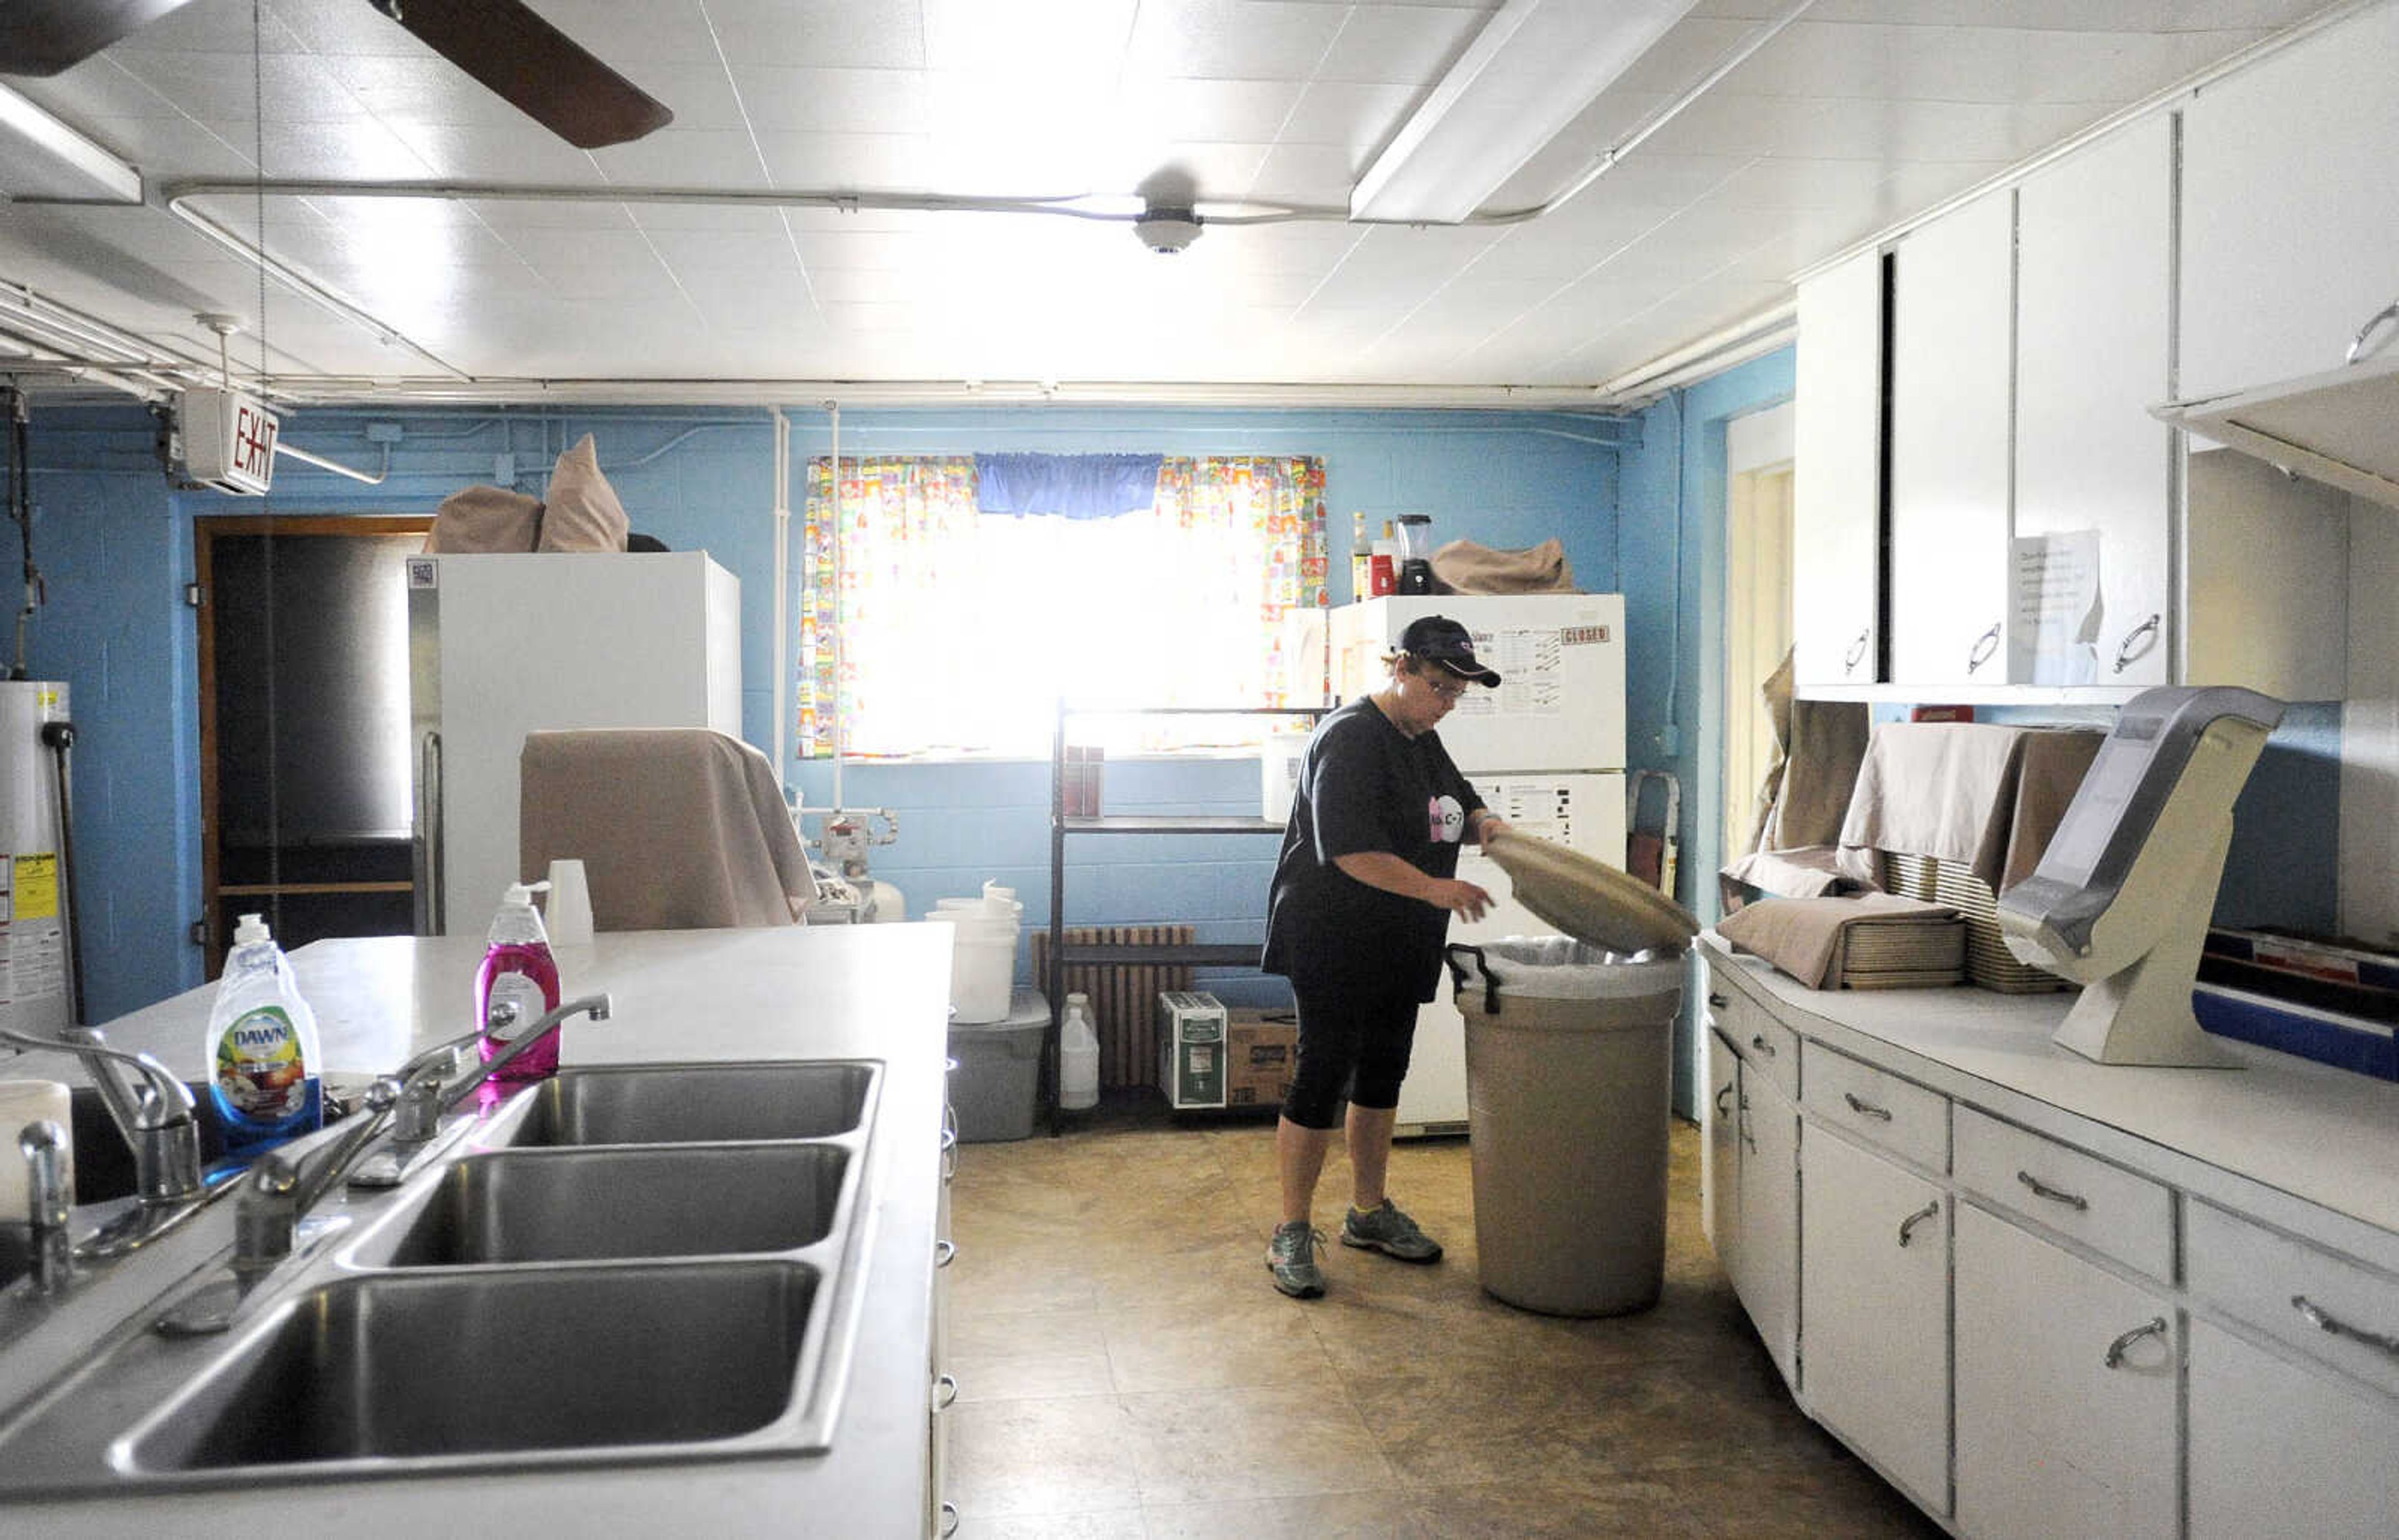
x=1460 y=898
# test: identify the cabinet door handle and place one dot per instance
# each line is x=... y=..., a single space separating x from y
x=1747 y=1138
x=1908 y=1226
x=1866 y=1109
x=945 y=1392
x=1718 y=1002
x=1856 y=654
x=2041 y=1189
x=2357 y=348
x=2154 y=1327
x=945 y=1252
x=1757 y=1041
x=2127 y=656
x=1984 y=645
x=1723 y=1111
x=949 y=1519
x=2317 y=1317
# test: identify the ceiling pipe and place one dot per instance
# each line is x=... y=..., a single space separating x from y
x=1743 y=340
x=357 y=391
x=322 y=464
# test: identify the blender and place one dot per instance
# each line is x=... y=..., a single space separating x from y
x=1415 y=552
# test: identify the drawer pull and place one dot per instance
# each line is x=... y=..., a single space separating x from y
x=1857 y=653
x=949 y=1519
x=1984 y=645
x=2154 y=1327
x=945 y=1392
x=1723 y=1111
x=2357 y=345
x=1866 y=1109
x=2125 y=655
x=2041 y=1189
x=945 y=1252
x=1758 y=1042
x=1747 y=1137
x=1908 y=1226
x=2317 y=1317
x=1718 y=1002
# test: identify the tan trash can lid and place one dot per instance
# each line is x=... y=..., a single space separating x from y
x=1589 y=900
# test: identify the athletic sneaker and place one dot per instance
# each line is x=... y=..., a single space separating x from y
x=1387 y=1230
x=1291 y=1257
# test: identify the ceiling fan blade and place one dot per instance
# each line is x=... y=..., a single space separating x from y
x=46 y=37
x=535 y=67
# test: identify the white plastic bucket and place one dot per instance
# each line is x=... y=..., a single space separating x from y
x=983 y=964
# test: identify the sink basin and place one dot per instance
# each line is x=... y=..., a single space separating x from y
x=491 y=1368
x=693 y=1104
x=564 y=1205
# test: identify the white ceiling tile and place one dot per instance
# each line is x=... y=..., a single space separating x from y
x=685 y=157
x=456 y=152
x=1403 y=44
x=1235 y=39
x=1360 y=116
x=224 y=86
x=634 y=38
x=869 y=34
x=1182 y=108
x=211 y=26
x=828 y=100
x=1315 y=175
x=1027 y=40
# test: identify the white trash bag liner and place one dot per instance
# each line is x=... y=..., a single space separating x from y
x=1559 y=967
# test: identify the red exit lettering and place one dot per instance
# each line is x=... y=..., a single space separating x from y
x=253 y=442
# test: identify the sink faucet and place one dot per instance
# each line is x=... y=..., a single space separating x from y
x=279 y=1191
x=157 y=1121
x=425 y=1099
x=44 y=1146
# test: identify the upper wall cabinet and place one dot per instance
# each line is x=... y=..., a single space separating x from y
x=2093 y=469
x=2290 y=236
x=1952 y=310
x=1836 y=499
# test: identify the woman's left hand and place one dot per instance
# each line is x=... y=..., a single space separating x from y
x=1486 y=824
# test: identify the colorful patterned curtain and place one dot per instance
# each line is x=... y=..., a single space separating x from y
x=963 y=629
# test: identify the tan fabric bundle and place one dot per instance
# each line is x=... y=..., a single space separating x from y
x=677 y=828
x=484 y=520
x=581 y=511
x=1911 y=942
x=1464 y=567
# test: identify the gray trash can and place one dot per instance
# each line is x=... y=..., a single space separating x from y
x=1569 y=1071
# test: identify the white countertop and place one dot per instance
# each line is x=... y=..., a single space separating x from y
x=2314 y=1147
x=832 y=992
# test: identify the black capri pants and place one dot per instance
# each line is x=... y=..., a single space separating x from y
x=1354 y=1037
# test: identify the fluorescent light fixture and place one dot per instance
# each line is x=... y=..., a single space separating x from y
x=43 y=157
x=1531 y=71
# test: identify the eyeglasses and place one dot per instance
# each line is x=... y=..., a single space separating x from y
x=1448 y=689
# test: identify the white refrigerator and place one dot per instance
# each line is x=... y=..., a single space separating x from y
x=501 y=646
x=1546 y=749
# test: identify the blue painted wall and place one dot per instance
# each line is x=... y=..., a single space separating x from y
x=117 y=543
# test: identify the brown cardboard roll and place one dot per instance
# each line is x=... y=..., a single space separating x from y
x=1589 y=900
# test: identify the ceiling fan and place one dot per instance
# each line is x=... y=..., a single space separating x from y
x=503 y=44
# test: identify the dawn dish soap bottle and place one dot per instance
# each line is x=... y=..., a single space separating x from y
x=517 y=970
x=262 y=1051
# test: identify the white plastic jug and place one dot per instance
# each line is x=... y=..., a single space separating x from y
x=1078 y=1055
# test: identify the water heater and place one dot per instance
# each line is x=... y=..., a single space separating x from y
x=34 y=993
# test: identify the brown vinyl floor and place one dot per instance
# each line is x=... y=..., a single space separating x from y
x=1126 y=1371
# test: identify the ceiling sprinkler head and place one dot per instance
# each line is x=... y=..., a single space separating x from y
x=1166 y=231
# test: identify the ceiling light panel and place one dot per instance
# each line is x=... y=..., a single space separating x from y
x=1531 y=71
x=42 y=156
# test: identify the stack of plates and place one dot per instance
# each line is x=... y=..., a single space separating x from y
x=1988 y=960
x=1902 y=953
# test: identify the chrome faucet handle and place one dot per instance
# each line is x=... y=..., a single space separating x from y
x=157 y=1122
x=44 y=1145
x=595 y=1006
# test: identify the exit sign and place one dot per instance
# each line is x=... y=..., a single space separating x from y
x=228 y=440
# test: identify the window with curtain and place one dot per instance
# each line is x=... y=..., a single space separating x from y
x=962 y=626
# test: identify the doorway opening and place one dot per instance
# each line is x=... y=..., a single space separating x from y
x=1759 y=469
x=305 y=804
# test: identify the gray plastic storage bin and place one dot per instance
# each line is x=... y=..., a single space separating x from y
x=996 y=1087
x=1568 y=1073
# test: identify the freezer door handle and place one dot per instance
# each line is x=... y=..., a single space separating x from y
x=424 y=849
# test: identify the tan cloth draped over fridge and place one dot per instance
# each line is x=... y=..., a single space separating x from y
x=677 y=828
x=1977 y=794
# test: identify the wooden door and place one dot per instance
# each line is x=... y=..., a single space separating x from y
x=302 y=650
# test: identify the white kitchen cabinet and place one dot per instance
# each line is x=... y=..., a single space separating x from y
x=2093 y=327
x=1837 y=469
x=1874 y=1283
x=1953 y=299
x=1768 y=1281
x=2289 y=228
x=2276 y=1449
x=1720 y=1154
x=2065 y=1394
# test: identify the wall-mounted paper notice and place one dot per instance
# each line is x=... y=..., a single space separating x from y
x=2055 y=629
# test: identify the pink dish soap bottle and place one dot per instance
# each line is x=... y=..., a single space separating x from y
x=517 y=970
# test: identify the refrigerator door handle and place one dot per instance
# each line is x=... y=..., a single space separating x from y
x=424 y=850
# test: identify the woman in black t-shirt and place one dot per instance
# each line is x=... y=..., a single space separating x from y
x=1363 y=894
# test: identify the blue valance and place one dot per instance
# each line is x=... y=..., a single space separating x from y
x=1079 y=486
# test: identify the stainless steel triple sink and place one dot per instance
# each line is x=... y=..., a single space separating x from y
x=620 y=1266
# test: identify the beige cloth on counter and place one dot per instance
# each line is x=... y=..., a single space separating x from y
x=1811 y=873
x=677 y=828
x=1802 y=937
x=1975 y=794
x=1464 y=567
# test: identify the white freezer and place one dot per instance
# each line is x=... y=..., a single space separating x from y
x=1560 y=704
x=1581 y=811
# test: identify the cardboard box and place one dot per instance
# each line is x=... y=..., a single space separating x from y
x=1191 y=1049
x=1261 y=1050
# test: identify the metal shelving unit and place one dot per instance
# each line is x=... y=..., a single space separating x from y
x=1061 y=826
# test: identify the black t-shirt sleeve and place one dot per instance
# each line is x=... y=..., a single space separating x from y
x=1347 y=789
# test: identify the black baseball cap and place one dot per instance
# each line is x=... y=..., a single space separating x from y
x=1440 y=639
